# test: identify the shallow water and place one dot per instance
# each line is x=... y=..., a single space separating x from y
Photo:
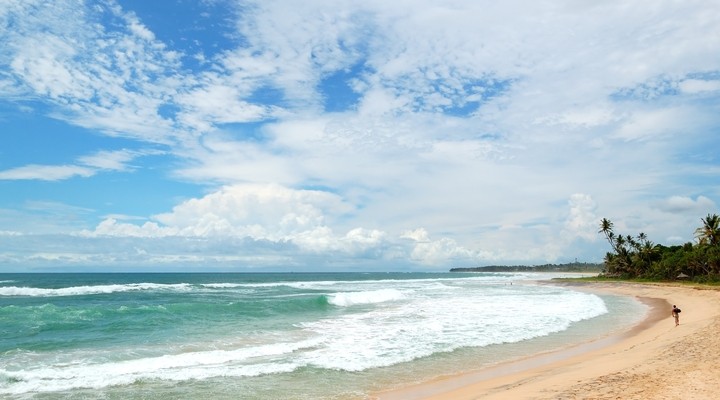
x=267 y=336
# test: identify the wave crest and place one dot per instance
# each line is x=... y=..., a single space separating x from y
x=347 y=299
x=88 y=290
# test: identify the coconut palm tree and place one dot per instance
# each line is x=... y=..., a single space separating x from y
x=647 y=253
x=620 y=242
x=606 y=228
x=709 y=233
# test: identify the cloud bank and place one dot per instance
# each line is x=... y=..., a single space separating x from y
x=402 y=135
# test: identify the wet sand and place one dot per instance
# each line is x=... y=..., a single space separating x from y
x=653 y=360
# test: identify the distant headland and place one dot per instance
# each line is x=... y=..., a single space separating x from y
x=569 y=267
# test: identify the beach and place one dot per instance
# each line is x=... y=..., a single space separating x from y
x=352 y=336
x=653 y=360
x=291 y=336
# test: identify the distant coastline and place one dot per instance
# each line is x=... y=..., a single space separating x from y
x=568 y=267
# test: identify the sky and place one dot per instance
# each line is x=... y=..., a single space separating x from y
x=278 y=135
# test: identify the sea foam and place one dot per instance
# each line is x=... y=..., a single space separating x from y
x=347 y=299
x=234 y=329
x=89 y=290
x=184 y=366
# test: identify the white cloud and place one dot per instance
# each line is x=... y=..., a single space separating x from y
x=46 y=172
x=280 y=215
x=418 y=235
x=693 y=86
x=95 y=78
x=217 y=104
x=683 y=204
x=269 y=212
x=597 y=115
x=646 y=125
x=111 y=160
x=444 y=251
x=43 y=65
x=473 y=119
x=111 y=227
x=437 y=252
x=582 y=221
x=141 y=31
x=88 y=166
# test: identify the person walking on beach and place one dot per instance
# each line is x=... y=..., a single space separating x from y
x=676 y=314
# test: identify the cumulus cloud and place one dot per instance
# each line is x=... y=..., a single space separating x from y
x=258 y=212
x=437 y=252
x=582 y=221
x=283 y=217
x=261 y=211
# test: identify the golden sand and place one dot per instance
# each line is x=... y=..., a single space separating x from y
x=654 y=360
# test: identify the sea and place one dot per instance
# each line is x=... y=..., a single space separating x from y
x=280 y=335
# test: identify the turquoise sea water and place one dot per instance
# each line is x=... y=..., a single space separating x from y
x=277 y=336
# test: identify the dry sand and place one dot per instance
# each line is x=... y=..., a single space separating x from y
x=655 y=360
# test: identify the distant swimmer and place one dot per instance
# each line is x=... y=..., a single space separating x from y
x=676 y=314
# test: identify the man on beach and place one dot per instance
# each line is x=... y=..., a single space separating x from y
x=676 y=314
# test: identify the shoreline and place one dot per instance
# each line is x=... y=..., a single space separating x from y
x=629 y=364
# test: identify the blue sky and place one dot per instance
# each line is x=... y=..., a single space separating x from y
x=344 y=135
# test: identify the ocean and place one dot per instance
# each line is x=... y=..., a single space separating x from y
x=278 y=335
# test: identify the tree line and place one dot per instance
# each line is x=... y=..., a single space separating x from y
x=567 y=267
x=638 y=257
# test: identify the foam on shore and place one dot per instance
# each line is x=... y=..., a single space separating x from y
x=599 y=368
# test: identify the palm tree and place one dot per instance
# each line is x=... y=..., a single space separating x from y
x=649 y=249
x=606 y=228
x=709 y=233
x=620 y=243
x=623 y=260
x=633 y=243
x=647 y=253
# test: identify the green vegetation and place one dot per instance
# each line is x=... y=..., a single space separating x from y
x=639 y=258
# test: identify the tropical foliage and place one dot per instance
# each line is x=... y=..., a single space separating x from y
x=638 y=257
